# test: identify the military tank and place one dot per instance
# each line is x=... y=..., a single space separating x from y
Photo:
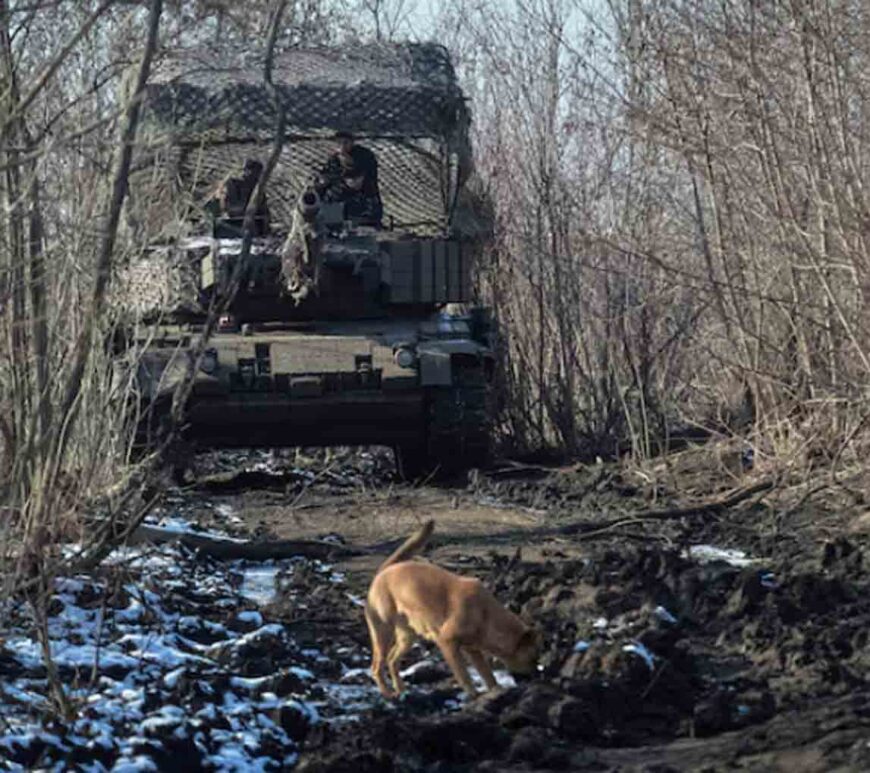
x=338 y=331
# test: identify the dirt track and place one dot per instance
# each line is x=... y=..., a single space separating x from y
x=716 y=624
x=656 y=658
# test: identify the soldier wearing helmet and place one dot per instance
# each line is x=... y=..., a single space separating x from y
x=230 y=200
x=350 y=175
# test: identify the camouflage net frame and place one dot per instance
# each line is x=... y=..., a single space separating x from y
x=206 y=112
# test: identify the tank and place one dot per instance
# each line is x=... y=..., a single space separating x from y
x=324 y=327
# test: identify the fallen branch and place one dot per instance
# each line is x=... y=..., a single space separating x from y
x=604 y=530
x=249 y=479
x=716 y=505
x=232 y=550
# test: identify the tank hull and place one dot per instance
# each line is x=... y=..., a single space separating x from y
x=420 y=386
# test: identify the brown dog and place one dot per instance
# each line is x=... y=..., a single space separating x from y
x=410 y=599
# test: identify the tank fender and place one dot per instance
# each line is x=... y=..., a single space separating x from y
x=436 y=357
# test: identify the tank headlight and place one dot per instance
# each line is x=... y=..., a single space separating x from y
x=405 y=358
x=209 y=362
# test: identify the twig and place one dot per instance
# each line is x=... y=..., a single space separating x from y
x=652 y=682
x=674 y=512
x=306 y=486
x=609 y=527
x=229 y=549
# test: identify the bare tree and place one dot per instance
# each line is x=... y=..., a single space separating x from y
x=54 y=367
x=595 y=332
x=680 y=203
x=387 y=18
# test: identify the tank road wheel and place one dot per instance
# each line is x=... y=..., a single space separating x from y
x=457 y=430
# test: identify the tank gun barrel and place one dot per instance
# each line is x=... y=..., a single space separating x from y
x=309 y=205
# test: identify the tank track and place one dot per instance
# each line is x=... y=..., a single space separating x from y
x=457 y=432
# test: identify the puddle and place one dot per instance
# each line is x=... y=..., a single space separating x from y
x=259 y=584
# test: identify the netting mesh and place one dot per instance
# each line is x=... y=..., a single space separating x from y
x=160 y=282
x=413 y=186
x=206 y=112
x=407 y=90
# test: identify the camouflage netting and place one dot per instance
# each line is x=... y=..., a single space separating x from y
x=402 y=90
x=207 y=112
x=164 y=281
x=413 y=187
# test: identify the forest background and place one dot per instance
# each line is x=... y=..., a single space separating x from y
x=680 y=191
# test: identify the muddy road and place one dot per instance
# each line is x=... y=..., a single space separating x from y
x=694 y=623
x=735 y=635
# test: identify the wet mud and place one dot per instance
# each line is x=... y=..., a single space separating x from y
x=654 y=659
x=660 y=654
x=733 y=640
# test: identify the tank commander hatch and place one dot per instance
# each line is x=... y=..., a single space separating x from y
x=350 y=175
x=228 y=202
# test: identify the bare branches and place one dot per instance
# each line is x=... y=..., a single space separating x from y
x=57 y=308
x=55 y=64
x=110 y=229
x=681 y=197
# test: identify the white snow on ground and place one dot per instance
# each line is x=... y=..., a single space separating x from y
x=260 y=584
x=168 y=658
x=636 y=648
x=189 y=670
x=503 y=678
x=175 y=525
x=666 y=617
x=408 y=672
x=768 y=580
x=166 y=679
x=621 y=630
x=704 y=554
x=227 y=513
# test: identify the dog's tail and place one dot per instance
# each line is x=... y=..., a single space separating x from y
x=410 y=546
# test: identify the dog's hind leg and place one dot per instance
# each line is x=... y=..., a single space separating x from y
x=382 y=638
x=479 y=661
x=404 y=640
x=453 y=655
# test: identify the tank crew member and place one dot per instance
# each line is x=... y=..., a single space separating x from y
x=229 y=201
x=350 y=175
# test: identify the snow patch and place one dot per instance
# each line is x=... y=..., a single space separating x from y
x=260 y=583
x=705 y=554
x=666 y=617
x=641 y=651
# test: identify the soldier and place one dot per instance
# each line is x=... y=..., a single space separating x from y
x=228 y=203
x=350 y=175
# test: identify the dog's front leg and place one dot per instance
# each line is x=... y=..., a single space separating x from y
x=479 y=661
x=453 y=655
